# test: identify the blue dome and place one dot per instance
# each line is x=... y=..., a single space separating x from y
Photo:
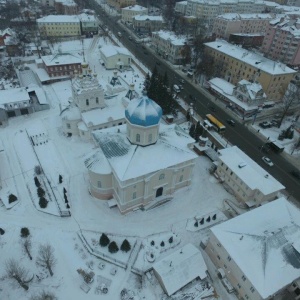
x=143 y=111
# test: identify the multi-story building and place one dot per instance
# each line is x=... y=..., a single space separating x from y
x=234 y=63
x=147 y=24
x=282 y=41
x=89 y=24
x=65 y=7
x=250 y=183
x=62 y=64
x=258 y=251
x=118 y=4
x=168 y=45
x=209 y=9
x=180 y=7
x=226 y=24
x=131 y=11
x=59 y=26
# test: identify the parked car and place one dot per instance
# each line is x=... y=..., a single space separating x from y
x=268 y=161
x=230 y=122
x=295 y=173
x=265 y=124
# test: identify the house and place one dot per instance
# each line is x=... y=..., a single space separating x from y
x=258 y=252
x=118 y=4
x=115 y=57
x=245 y=99
x=147 y=24
x=4 y=34
x=89 y=23
x=131 y=11
x=236 y=63
x=65 y=7
x=250 y=183
x=180 y=268
x=180 y=7
x=118 y=169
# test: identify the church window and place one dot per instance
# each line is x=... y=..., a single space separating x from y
x=68 y=125
x=97 y=100
x=181 y=178
x=150 y=138
x=87 y=102
x=161 y=176
x=138 y=138
x=134 y=195
x=99 y=184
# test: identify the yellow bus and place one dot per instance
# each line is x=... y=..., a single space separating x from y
x=216 y=123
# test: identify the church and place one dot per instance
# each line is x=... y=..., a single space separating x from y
x=140 y=163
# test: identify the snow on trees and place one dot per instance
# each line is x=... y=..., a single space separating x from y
x=125 y=246
x=25 y=232
x=113 y=247
x=46 y=257
x=104 y=240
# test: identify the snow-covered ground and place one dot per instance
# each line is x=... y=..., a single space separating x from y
x=71 y=236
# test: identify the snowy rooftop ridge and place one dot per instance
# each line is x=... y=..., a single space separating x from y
x=251 y=58
x=262 y=244
x=59 y=19
x=111 y=50
x=255 y=176
x=61 y=59
x=181 y=267
x=169 y=35
x=135 y=8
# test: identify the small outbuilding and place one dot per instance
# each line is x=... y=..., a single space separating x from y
x=115 y=57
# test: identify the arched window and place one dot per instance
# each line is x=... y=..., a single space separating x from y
x=161 y=176
x=150 y=138
x=99 y=184
x=87 y=102
x=138 y=138
x=97 y=100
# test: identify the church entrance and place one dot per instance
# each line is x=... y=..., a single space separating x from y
x=159 y=192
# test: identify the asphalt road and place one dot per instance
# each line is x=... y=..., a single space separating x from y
x=239 y=135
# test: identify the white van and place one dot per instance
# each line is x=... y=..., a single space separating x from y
x=119 y=34
x=176 y=88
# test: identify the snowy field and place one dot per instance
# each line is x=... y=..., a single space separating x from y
x=73 y=237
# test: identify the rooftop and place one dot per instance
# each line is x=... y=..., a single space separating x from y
x=170 y=35
x=61 y=59
x=59 y=19
x=13 y=95
x=111 y=50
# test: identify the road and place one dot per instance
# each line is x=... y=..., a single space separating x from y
x=239 y=135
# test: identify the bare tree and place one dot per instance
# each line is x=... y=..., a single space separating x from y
x=44 y=295
x=46 y=257
x=15 y=271
x=290 y=98
x=27 y=246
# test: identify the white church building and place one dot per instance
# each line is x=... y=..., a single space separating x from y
x=141 y=163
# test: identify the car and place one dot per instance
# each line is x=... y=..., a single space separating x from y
x=295 y=173
x=130 y=38
x=268 y=161
x=182 y=81
x=230 y=122
x=265 y=124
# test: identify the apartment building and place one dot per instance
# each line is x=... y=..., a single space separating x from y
x=131 y=11
x=235 y=63
x=65 y=7
x=168 y=45
x=89 y=23
x=282 y=41
x=226 y=24
x=118 y=4
x=210 y=9
x=258 y=251
x=251 y=184
x=59 y=26
x=147 y=24
x=180 y=7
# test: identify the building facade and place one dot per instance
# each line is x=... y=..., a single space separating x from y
x=131 y=11
x=250 y=183
x=180 y=7
x=115 y=57
x=282 y=40
x=235 y=63
x=168 y=45
x=59 y=26
x=147 y=24
x=114 y=170
x=118 y=4
x=226 y=24
x=65 y=7
x=89 y=24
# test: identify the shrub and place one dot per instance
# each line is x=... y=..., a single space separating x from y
x=152 y=243
x=162 y=244
x=37 y=182
x=43 y=202
x=25 y=232
x=125 y=247
x=113 y=247
x=12 y=198
x=66 y=198
x=38 y=170
x=60 y=179
x=104 y=240
x=171 y=238
x=68 y=206
x=40 y=192
x=65 y=191
x=2 y=231
x=196 y=224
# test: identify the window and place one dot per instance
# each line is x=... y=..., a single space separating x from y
x=87 y=102
x=252 y=289
x=150 y=138
x=68 y=125
x=97 y=100
x=99 y=184
x=246 y=296
x=138 y=138
x=219 y=244
x=180 y=178
x=134 y=195
x=238 y=285
x=228 y=258
x=218 y=257
x=161 y=176
x=244 y=278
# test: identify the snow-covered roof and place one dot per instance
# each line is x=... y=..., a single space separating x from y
x=147 y=17
x=87 y=18
x=252 y=88
x=218 y=2
x=254 y=175
x=251 y=58
x=13 y=95
x=135 y=8
x=111 y=50
x=59 y=19
x=39 y=92
x=236 y=16
x=96 y=160
x=143 y=111
x=61 y=59
x=180 y=268
x=128 y=160
x=7 y=31
x=264 y=244
x=71 y=114
x=170 y=35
